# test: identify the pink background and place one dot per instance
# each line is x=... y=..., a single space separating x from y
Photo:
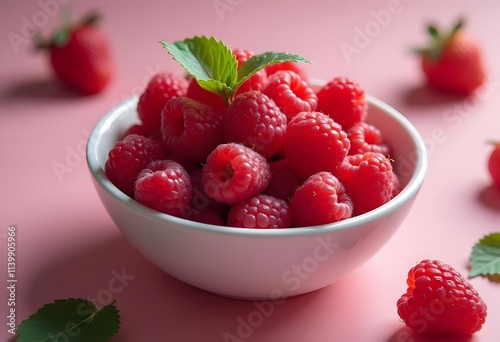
x=68 y=247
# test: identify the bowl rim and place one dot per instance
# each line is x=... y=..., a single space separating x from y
x=412 y=187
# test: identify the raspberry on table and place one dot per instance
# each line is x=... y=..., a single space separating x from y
x=254 y=120
x=161 y=88
x=365 y=137
x=128 y=157
x=260 y=211
x=197 y=93
x=164 y=185
x=292 y=94
x=344 y=101
x=257 y=81
x=368 y=179
x=440 y=301
x=314 y=142
x=234 y=172
x=191 y=129
x=321 y=199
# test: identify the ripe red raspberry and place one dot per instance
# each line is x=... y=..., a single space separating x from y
x=319 y=200
x=314 y=142
x=257 y=81
x=440 y=301
x=284 y=181
x=344 y=101
x=260 y=211
x=204 y=96
x=292 y=94
x=165 y=186
x=234 y=172
x=298 y=68
x=191 y=129
x=367 y=138
x=128 y=157
x=255 y=121
x=368 y=180
x=162 y=87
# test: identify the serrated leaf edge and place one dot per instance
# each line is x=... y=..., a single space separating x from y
x=486 y=240
x=485 y=269
x=96 y=311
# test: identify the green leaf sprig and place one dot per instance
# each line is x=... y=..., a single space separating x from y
x=73 y=320
x=485 y=257
x=439 y=40
x=214 y=66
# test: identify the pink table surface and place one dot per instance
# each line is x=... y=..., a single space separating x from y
x=67 y=246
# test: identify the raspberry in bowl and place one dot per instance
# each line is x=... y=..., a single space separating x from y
x=252 y=263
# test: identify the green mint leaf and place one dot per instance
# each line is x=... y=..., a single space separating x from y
x=209 y=61
x=214 y=66
x=72 y=320
x=485 y=256
x=257 y=62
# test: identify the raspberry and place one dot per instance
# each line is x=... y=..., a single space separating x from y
x=440 y=301
x=234 y=172
x=162 y=87
x=292 y=94
x=191 y=129
x=260 y=211
x=127 y=158
x=298 y=68
x=284 y=181
x=257 y=81
x=368 y=180
x=319 y=200
x=344 y=101
x=255 y=121
x=366 y=138
x=204 y=96
x=165 y=186
x=314 y=142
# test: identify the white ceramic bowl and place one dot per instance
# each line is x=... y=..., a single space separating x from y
x=253 y=263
